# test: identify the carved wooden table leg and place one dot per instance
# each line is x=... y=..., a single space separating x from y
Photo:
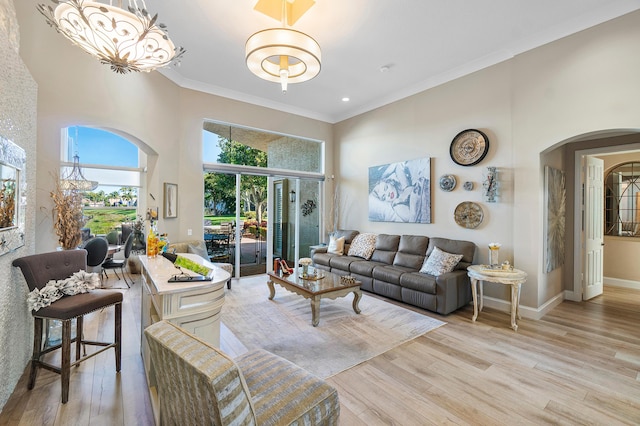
x=357 y=295
x=272 y=290
x=315 y=310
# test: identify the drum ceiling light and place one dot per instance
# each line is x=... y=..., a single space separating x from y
x=127 y=40
x=281 y=54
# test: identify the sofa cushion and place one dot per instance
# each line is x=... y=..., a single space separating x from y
x=363 y=245
x=364 y=267
x=419 y=282
x=322 y=258
x=411 y=251
x=390 y=274
x=336 y=245
x=342 y=262
x=386 y=248
x=440 y=262
x=348 y=234
x=466 y=248
x=285 y=394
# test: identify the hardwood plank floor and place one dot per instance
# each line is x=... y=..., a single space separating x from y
x=580 y=364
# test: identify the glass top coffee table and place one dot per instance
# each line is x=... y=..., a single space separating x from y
x=325 y=286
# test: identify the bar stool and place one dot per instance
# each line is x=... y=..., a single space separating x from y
x=38 y=270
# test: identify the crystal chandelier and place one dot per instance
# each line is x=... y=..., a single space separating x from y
x=281 y=54
x=127 y=40
x=75 y=180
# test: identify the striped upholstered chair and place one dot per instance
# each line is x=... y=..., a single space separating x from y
x=200 y=385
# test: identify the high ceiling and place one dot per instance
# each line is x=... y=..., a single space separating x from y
x=374 y=52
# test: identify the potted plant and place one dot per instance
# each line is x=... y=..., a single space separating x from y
x=68 y=217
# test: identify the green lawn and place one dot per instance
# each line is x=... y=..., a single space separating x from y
x=217 y=220
x=103 y=220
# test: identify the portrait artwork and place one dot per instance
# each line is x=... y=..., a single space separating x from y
x=401 y=192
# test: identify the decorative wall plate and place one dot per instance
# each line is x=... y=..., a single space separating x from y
x=468 y=214
x=448 y=182
x=468 y=186
x=469 y=147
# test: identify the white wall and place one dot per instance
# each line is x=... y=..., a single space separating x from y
x=18 y=124
x=582 y=84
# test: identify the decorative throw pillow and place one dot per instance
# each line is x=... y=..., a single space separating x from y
x=336 y=245
x=363 y=245
x=440 y=262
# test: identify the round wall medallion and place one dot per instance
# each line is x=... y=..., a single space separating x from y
x=447 y=182
x=468 y=186
x=469 y=147
x=468 y=214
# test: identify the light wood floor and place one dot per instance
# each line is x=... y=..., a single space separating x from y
x=580 y=364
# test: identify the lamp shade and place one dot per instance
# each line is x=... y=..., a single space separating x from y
x=267 y=50
x=125 y=40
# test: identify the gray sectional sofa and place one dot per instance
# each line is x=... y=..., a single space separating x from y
x=393 y=270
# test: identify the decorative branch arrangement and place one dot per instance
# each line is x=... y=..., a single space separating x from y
x=67 y=215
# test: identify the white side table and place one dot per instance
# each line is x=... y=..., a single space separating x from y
x=515 y=278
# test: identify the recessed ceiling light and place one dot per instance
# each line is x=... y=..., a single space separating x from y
x=345 y=99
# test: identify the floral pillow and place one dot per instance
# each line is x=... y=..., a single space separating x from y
x=440 y=262
x=363 y=246
x=336 y=245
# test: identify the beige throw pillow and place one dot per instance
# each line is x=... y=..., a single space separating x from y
x=363 y=245
x=336 y=245
x=440 y=262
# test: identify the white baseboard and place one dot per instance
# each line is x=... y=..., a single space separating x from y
x=525 y=311
x=616 y=282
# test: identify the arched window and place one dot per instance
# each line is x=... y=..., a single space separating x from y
x=113 y=162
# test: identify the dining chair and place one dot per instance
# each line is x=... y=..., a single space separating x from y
x=121 y=264
x=97 y=250
x=38 y=270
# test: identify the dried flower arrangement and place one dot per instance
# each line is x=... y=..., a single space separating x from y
x=67 y=216
x=7 y=203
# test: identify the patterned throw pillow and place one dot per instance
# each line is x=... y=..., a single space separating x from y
x=440 y=262
x=363 y=245
x=336 y=245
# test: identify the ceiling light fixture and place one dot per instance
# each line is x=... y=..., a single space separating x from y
x=127 y=40
x=281 y=54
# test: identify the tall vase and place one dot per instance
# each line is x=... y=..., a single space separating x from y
x=494 y=257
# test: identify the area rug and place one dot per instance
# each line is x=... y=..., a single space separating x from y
x=343 y=338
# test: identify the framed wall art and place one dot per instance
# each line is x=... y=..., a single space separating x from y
x=555 y=199
x=170 y=200
x=401 y=192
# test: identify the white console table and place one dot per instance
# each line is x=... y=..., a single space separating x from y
x=194 y=306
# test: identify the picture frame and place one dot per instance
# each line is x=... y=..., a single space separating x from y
x=555 y=201
x=401 y=192
x=170 y=210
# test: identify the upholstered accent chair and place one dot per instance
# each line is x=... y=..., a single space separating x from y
x=200 y=385
x=38 y=270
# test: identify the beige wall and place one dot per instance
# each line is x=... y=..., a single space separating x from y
x=163 y=119
x=578 y=86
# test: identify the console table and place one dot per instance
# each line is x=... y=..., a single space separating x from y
x=514 y=278
x=194 y=306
